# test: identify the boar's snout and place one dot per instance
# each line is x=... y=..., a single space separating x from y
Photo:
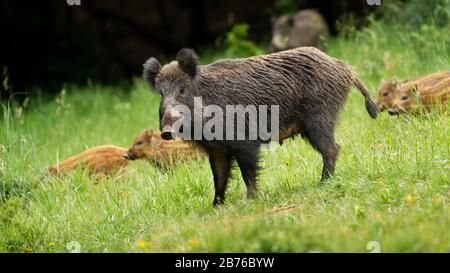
x=278 y=43
x=167 y=132
x=169 y=118
x=129 y=156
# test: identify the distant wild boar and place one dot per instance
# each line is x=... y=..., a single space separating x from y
x=309 y=87
x=409 y=96
x=151 y=146
x=305 y=28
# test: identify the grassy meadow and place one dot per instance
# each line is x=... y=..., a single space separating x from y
x=391 y=184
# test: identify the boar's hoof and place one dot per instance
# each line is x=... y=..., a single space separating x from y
x=251 y=193
x=218 y=201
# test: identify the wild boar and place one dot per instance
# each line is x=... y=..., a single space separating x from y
x=305 y=28
x=103 y=160
x=151 y=146
x=386 y=93
x=308 y=86
x=409 y=96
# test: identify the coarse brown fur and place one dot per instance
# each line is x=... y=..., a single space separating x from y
x=385 y=93
x=410 y=96
x=309 y=87
x=103 y=160
x=108 y=160
x=163 y=153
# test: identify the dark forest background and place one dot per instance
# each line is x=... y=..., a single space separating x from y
x=50 y=43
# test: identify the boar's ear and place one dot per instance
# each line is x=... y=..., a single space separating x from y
x=187 y=59
x=147 y=134
x=394 y=82
x=151 y=69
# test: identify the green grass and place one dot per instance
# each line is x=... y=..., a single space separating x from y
x=381 y=163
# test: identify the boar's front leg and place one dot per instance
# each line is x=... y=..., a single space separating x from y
x=220 y=161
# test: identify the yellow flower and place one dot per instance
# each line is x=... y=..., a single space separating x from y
x=141 y=244
x=51 y=244
x=192 y=244
x=28 y=249
x=410 y=199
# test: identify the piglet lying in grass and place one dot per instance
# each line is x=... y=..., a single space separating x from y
x=410 y=96
x=150 y=145
x=108 y=160
x=103 y=160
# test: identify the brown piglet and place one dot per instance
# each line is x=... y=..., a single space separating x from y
x=410 y=96
x=103 y=160
x=149 y=145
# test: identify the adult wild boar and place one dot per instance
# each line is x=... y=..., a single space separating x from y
x=305 y=28
x=309 y=87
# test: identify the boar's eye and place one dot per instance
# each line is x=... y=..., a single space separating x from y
x=140 y=142
x=404 y=97
x=385 y=94
x=181 y=91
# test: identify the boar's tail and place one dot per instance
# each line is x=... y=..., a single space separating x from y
x=370 y=105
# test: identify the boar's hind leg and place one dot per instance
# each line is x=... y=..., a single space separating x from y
x=220 y=165
x=247 y=159
x=321 y=137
